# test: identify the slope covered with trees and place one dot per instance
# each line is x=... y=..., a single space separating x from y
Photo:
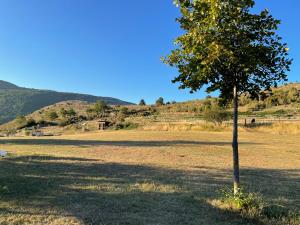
x=15 y=100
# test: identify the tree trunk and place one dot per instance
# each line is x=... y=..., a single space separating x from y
x=235 y=147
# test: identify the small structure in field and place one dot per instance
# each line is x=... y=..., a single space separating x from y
x=37 y=133
x=103 y=124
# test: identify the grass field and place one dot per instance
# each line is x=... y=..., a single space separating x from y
x=142 y=177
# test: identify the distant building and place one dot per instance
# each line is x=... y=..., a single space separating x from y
x=103 y=124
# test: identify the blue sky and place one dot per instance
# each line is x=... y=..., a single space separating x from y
x=106 y=48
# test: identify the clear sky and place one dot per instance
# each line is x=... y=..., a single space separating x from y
x=106 y=48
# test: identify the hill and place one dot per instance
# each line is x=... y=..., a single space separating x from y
x=282 y=105
x=16 y=100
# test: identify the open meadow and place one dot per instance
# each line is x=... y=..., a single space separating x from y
x=142 y=177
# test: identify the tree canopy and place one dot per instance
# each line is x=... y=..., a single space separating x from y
x=226 y=45
x=160 y=101
x=142 y=102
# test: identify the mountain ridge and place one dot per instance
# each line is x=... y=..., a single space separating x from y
x=15 y=100
x=8 y=85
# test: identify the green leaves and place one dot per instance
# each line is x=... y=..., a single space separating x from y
x=224 y=45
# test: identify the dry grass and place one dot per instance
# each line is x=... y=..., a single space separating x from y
x=184 y=126
x=142 y=177
x=281 y=128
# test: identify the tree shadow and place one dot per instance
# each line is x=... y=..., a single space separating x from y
x=88 y=143
x=94 y=192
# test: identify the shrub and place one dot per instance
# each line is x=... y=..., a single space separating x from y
x=63 y=112
x=216 y=115
x=252 y=205
x=52 y=115
x=42 y=122
x=124 y=110
x=126 y=126
x=68 y=114
x=98 y=109
x=121 y=115
x=71 y=112
x=22 y=122
x=31 y=122
x=272 y=101
x=242 y=200
x=27 y=133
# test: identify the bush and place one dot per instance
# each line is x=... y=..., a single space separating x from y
x=126 y=126
x=52 y=115
x=31 y=122
x=272 y=101
x=63 y=112
x=67 y=113
x=27 y=133
x=242 y=200
x=216 y=115
x=98 y=109
x=252 y=205
x=22 y=122
x=42 y=122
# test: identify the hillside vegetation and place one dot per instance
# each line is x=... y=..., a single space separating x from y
x=283 y=104
x=15 y=100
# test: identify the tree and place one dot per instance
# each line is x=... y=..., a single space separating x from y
x=71 y=112
x=63 y=112
x=142 y=102
x=160 y=101
x=67 y=113
x=98 y=109
x=31 y=122
x=228 y=49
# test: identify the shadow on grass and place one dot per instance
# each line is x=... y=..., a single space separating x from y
x=88 y=143
x=106 y=193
